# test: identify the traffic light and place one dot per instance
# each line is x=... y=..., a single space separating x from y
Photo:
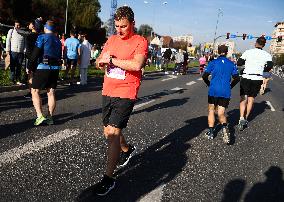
x=279 y=38
x=244 y=36
x=228 y=36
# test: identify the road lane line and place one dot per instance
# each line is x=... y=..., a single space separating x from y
x=190 y=83
x=199 y=79
x=142 y=104
x=270 y=105
x=170 y=77
x=155 y=195
x=177 y=88
x=13 y=155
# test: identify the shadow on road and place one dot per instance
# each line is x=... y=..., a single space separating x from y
x=19 y=102
x=156 y=166
x=234 y=115
x=272 y=189
x=164 y=105
x=233 y=191
x=14 y=128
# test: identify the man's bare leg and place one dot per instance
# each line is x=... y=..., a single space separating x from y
x=37 y=101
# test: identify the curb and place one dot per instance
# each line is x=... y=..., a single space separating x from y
x=11 y=88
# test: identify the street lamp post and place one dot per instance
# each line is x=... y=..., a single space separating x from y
x=154 y=12
x=220 y=12
x=66 y=17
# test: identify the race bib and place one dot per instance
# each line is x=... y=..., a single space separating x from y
x=115 y=72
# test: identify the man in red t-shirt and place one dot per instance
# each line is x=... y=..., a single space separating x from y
x=122 y=58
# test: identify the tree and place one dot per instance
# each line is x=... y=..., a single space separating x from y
x=180 y=45
x=145 y=30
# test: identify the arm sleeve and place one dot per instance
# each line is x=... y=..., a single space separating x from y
x=205 y=78
x=142 y=48
x=106 y=46
x=241 y=62
x=36 y=53
x=23 y=32
x=268 y=66
x=236 y=79
x=209 y=67
x=8 y=40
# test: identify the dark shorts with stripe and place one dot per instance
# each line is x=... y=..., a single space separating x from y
x=116 y=111
x=219 y=101
x=250 y=87
x=72 y=62
x=45 y=78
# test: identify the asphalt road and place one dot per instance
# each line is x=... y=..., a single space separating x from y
x=174 y=162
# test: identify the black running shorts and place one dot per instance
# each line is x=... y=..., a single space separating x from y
x=116 y=111
x=219 y=101
x=45 y=78
x=250 y=87
x=72 y=62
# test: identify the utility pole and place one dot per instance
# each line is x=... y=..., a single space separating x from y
x=66 y=17
x=220 y=12
x=113 y=7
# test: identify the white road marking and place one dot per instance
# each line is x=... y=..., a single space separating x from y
x=13 y=155
x=199 y=79
x=177 y=88
x=270 y=105
x=154 y=196
x=170 y=77
x=142 y=104
x=190 y=83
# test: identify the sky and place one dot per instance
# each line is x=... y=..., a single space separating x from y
x=199 y=17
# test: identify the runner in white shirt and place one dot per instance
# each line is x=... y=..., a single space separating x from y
x=255 y=62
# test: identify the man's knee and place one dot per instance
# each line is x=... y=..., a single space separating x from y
x=243 y=98
x=35 y=91
x=50 y=91
x=111 y=132
x=211 y=108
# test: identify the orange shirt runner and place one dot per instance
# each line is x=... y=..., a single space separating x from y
x=118 y=82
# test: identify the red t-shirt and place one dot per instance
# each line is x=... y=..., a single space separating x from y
x=127 y=83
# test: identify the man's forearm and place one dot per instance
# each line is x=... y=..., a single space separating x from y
x=130 y=65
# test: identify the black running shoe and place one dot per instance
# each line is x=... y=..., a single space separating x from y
x=209 y=134
x=242 y=124
x=126 y=156
x=104 y=186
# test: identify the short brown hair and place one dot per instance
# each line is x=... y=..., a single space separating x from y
x=124 y=12
x=222 y=49
x=261 y=41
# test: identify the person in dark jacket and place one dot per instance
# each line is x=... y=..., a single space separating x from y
x=31 y=37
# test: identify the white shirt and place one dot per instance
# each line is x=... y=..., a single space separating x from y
x=255 y=60
x=85 y=56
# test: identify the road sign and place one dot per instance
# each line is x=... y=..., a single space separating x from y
x=233 y=36
x=250 y=36
x=268 y=37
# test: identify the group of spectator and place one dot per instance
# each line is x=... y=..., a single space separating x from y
x=161 y=60
x=19 y=42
